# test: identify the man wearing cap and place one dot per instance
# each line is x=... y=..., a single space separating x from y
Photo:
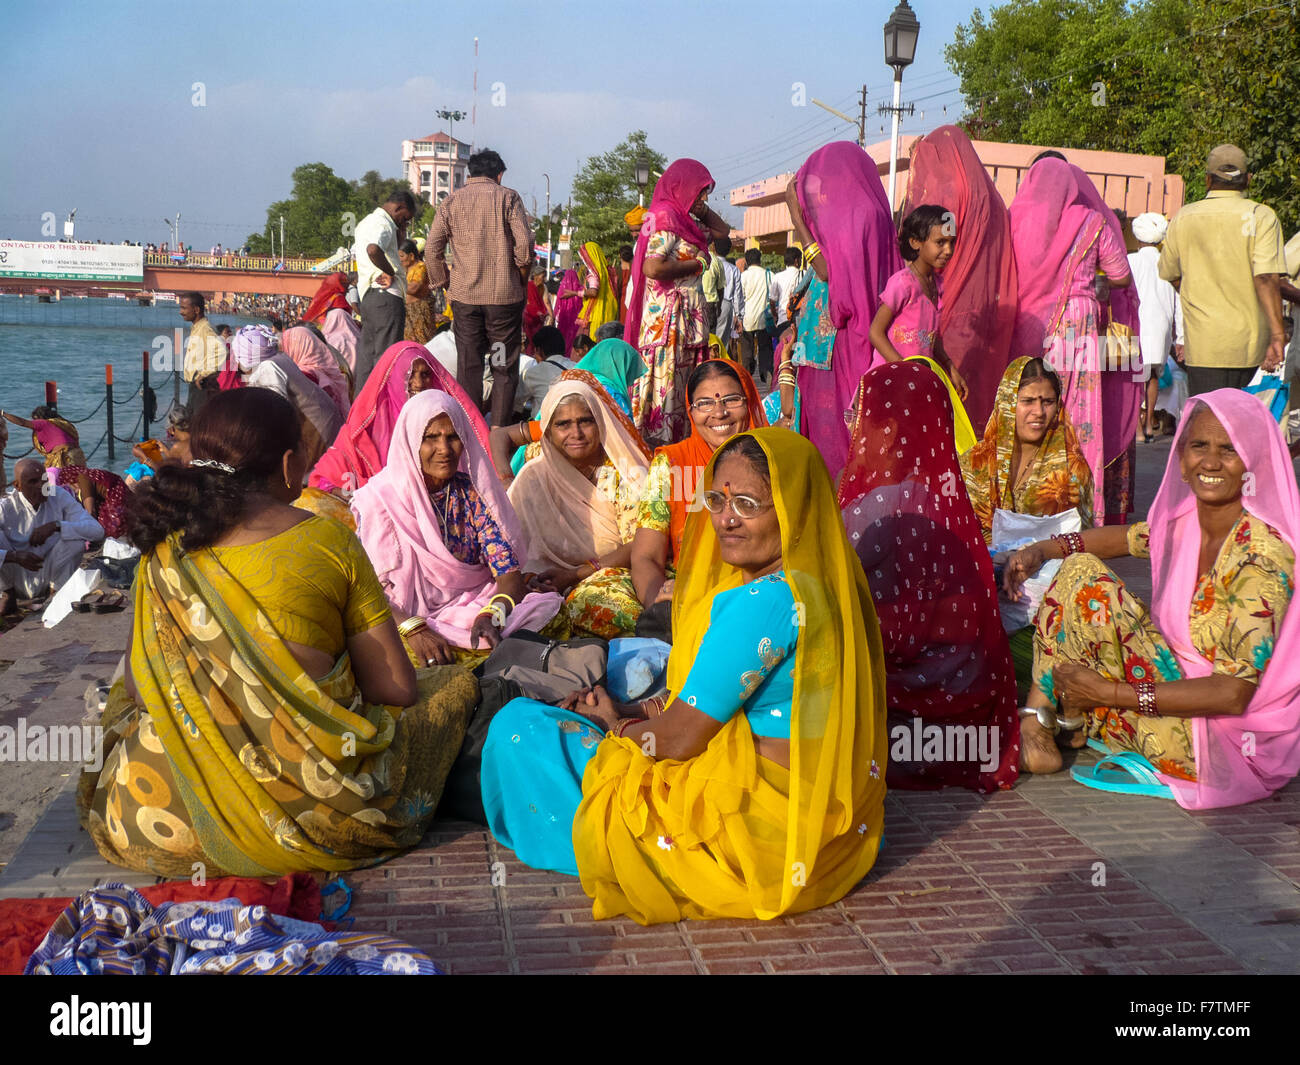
x=1224 y=256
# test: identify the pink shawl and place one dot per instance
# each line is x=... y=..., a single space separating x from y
x=343 y=333
x=1270 y=727
x=846 y=210
x=314 y=358
x=670 y=211
x=1052 y=228
x=361 y=448
x=397 y=526
x=978 y=314
x=566 y=311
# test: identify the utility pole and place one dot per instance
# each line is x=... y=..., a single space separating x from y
x=282 y=236
x=862 y=119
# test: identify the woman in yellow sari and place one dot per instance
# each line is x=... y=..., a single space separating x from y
x=269 y=720
x=758 y=789
x=600 y=301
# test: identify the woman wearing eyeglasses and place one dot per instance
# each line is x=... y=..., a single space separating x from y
x=758 y=789
x=723 y=402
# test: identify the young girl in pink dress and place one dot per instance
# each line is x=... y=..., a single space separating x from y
x=907 y=324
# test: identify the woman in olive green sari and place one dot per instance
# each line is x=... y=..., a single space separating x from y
x=269 y=720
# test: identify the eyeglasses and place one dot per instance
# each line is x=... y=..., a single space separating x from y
x=732 y=402
x=744 y=507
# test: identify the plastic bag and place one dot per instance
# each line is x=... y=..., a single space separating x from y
x=80 y=583
x=1012 y=531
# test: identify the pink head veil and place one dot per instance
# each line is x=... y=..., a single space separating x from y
x=978 y=315
x=670 y=210
x=313 y=357
x=1227 y=776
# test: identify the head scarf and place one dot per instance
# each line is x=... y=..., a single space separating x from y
x=566 y=518
x=602 y=307
x=342 y=334
x=1150 y=228
x=845 y=208
x=250 y=345
x=314 y=358
x=1060 y=477
x=332 y=293
x=400 y=531
x=909 y=519
x=1226 y=775
x=616 y=364
x=675 y=194
x=612 y=406
x=1052 y=228
x=735 y=844
x=978 y=314
x=693 y=454
x=361 y=448
x=566 y=311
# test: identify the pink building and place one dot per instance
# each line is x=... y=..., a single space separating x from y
x=1131 y=183
x=434 y=166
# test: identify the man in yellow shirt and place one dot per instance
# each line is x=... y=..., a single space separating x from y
x=1224 y=255
x=205 y=353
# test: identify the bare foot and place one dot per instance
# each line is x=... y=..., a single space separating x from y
x=1038 y=750
x=1073 y=739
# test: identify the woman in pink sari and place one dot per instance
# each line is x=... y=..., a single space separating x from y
x=314 y=358
x=978 y=314
x=361 y=448
x=840 y=204
x=568 y=302
x=446 y=544
x=1061 y=242
x=1199 y=700
x=666 y=322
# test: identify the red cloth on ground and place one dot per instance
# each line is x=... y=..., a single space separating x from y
x=24 y=922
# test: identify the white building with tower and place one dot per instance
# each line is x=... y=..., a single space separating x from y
x=435 y=166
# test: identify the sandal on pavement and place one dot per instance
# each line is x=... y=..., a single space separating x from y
x=1122 y=773
x=110 y=603
x=88 y=602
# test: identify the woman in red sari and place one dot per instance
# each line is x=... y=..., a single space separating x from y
x=948 y=664
x=978 y=313
x=535 y=310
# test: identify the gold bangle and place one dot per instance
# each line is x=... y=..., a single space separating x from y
x=411 y=626
x=502 y=595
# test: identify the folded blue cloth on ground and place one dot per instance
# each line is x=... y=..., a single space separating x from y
x=113 y=929
x=636 y=667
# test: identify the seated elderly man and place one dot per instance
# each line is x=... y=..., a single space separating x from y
x=43 y=533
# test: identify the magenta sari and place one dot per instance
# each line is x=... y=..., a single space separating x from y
x=846 y=210
x=567 y=310
x=1243 y=758
x=978 y=313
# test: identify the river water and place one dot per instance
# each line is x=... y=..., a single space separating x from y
x=70 y=342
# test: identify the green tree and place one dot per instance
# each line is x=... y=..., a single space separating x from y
x=319 y=216
x=605 y=190
x=374 y=190
x=1156 y=77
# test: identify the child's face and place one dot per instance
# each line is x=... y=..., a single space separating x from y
x=937 y=247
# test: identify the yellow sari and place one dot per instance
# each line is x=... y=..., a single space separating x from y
x=602 y=307
x=728 y=833
x=236 y=759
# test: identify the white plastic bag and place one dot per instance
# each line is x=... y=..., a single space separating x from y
x=80 y=583
x=1012 y=531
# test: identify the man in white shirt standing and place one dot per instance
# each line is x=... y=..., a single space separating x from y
x=756 y=345
x=782 y=285
x=381 y=281
x=43 y=534
x=1157 y=303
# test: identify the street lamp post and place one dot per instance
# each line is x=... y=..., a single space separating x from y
x=901 y=32
x=548 y=225
x=642 y=178
x=451 y=118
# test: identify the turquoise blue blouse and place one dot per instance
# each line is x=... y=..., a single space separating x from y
x=746 y=660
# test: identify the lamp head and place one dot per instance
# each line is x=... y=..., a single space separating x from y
x=901 y=32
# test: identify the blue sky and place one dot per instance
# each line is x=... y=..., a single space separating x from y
x=98 y=101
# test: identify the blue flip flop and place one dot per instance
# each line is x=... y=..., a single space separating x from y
x=1123 y=773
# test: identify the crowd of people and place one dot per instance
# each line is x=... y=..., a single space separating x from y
x=361 y=538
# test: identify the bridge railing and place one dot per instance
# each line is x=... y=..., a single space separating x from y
x=229 y=261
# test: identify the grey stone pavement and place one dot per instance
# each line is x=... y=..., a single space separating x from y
x=1047 y=878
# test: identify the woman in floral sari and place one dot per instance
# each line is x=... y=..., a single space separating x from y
x=1029 y=460
x=102 y=493
x=1200 y=695
x=419 y=294
x=758 y=790
x=578 y=503
x=361 y=447
x=666 y=320
x=268 y=721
